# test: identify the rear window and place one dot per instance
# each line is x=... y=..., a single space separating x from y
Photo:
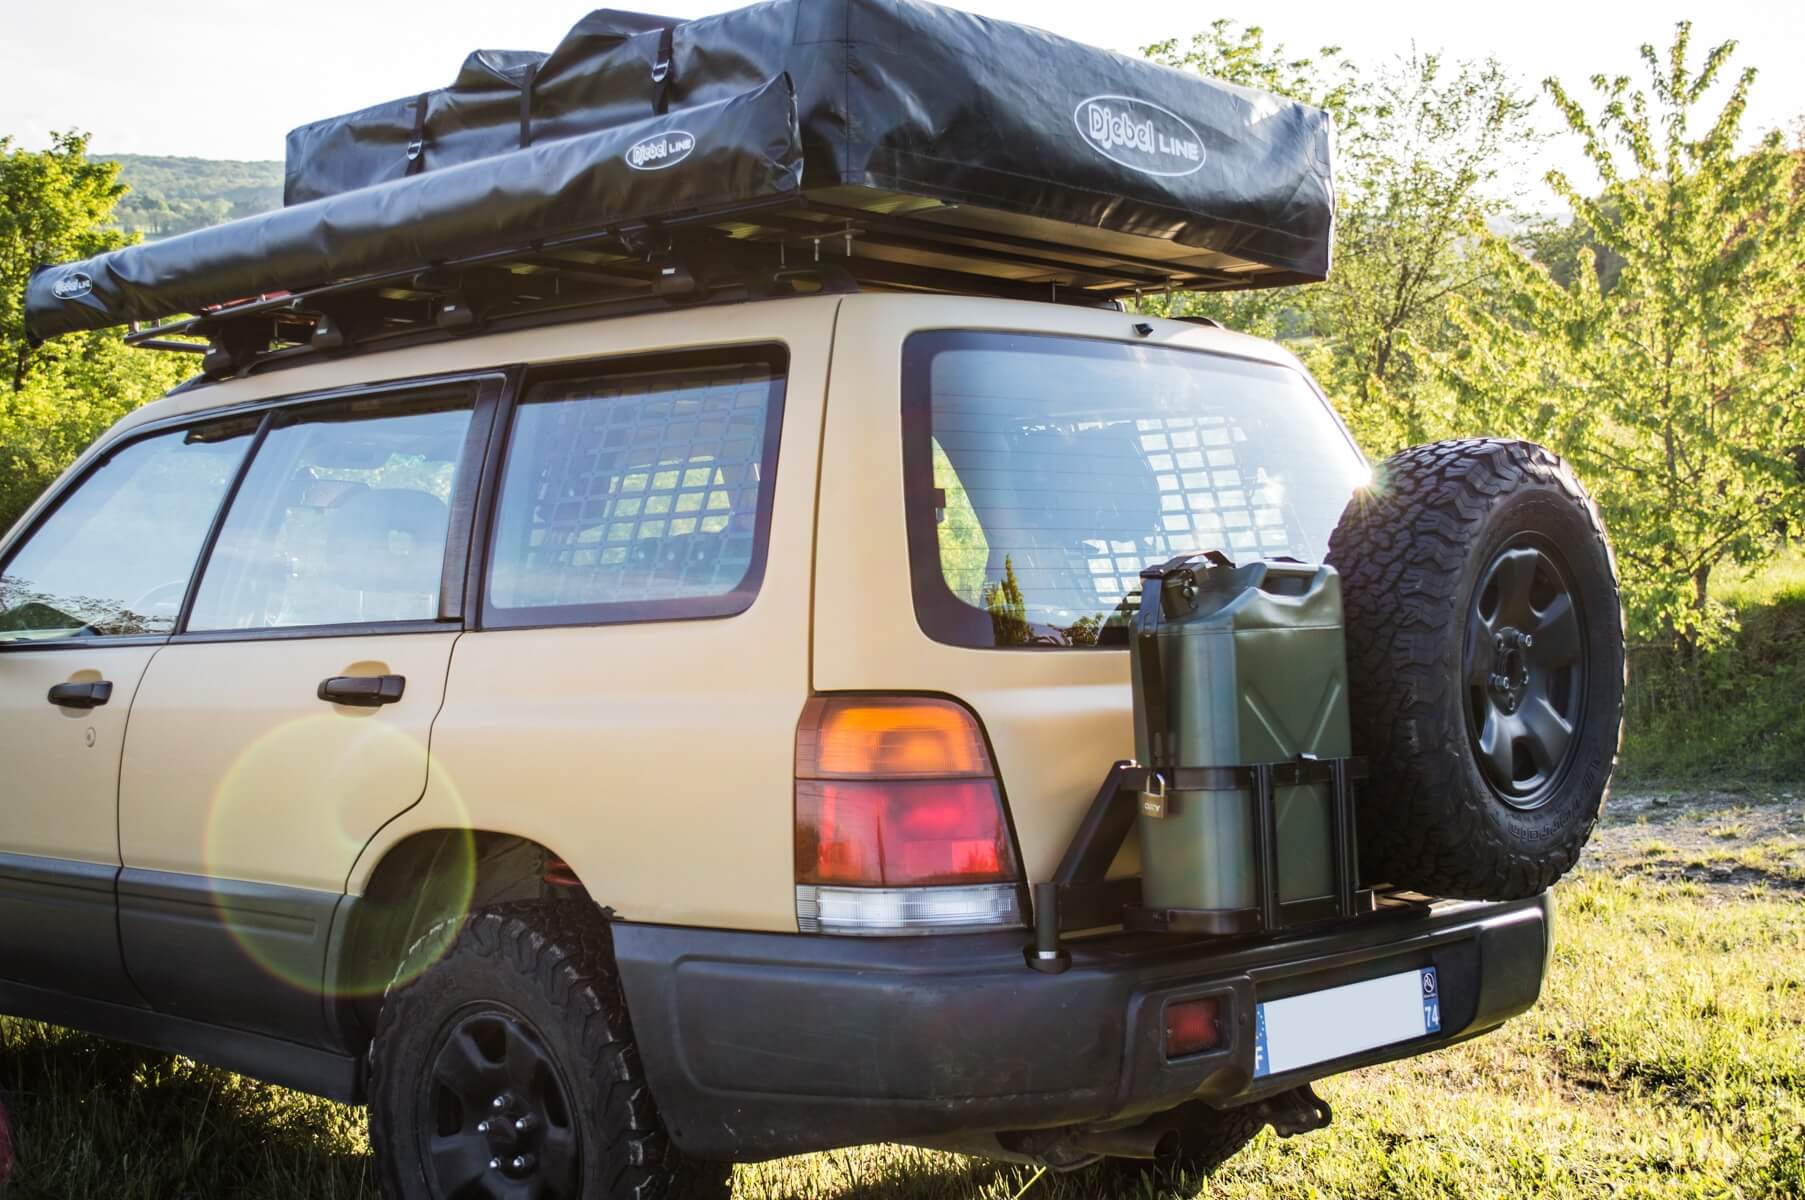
x=1043 y=473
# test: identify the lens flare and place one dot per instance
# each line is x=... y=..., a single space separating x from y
x=264 y=826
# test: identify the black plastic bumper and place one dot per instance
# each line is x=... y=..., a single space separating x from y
x=758 y=1045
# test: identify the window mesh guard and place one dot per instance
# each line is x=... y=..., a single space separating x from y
x=644 y=487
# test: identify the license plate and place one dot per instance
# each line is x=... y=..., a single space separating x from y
x=1301 y=1031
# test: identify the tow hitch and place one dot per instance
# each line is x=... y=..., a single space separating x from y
x=1299 y=1110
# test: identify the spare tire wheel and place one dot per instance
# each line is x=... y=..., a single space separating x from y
x=1485 y=665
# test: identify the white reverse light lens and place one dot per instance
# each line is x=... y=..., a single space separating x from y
x=877 y=911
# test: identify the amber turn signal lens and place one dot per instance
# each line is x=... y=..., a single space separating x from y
x=890 y=737
x=1191 y=1027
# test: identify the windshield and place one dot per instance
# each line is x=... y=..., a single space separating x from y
x=1045 y=472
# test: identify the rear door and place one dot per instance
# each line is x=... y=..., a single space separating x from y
x=288 y=718
x=87 y=597
x=996 y=475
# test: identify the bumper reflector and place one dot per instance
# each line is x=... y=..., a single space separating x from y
x=908 y=910
x=1191 y=1027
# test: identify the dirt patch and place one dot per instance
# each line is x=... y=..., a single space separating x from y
x=1730 y=837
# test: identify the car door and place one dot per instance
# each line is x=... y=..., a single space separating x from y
x=287 y=720
x=88 y=595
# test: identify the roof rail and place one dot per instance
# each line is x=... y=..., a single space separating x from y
x=796 y=247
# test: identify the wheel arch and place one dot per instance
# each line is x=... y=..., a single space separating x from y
x=426 y=877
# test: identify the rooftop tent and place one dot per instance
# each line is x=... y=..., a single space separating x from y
x=914 y=146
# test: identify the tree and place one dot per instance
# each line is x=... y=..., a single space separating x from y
x=1423 y=168
x=1679 y=392
x=1422 y=146
x=56 y=399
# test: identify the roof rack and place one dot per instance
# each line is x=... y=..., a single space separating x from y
x=797 y=246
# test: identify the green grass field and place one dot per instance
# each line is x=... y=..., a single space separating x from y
x=1667 y=1059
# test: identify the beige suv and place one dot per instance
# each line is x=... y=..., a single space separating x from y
x=616 y=749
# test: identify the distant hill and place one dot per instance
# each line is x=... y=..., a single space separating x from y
x=175 y=195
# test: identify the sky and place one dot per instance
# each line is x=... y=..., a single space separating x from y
x=229 y=78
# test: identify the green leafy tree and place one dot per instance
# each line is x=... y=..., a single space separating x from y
x=56 y=205
x=1679 y=392
x=1422 y=146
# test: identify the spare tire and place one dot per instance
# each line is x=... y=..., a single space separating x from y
x=1485 y=664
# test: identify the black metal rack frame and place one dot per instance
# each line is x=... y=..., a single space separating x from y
x=784 y=247
x=1081 y=896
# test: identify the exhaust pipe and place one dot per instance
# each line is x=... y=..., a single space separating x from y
x=1154 y=1139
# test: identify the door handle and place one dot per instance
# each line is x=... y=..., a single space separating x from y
x=363 y=691
x=81 y=695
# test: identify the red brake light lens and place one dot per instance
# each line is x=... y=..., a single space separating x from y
x=897 y=792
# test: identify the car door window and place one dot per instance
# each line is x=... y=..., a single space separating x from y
x=637 y=494
x=116 y=555
x=342 y=517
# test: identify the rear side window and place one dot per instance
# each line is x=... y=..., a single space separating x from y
x=115 y=556
x=342 y=517
x=1043 y=473
x=641 y=493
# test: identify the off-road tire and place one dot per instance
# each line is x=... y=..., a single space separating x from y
x=1207 y=1138
x=551 y=966
x=1412 y=550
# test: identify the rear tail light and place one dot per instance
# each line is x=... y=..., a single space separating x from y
x=899 y=821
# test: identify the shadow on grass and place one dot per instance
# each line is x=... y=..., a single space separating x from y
x=93 y=1118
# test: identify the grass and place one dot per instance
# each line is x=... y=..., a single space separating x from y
x=1667 y=1059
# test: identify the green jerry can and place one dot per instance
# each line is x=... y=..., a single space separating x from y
x=1240 y=678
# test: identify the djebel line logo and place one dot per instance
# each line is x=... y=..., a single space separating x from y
x=661 y=150
x=72 y=287
x=1139 y=135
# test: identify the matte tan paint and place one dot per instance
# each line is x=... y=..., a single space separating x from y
x=1057 y=720
x=235 y=768
x=60 y=766
x=655 y=758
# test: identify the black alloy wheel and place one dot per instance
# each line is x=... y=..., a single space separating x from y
x=500 y=1113
x=1525 y=667
x=505 y=1068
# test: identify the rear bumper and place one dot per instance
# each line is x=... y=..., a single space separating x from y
x=758 y=1045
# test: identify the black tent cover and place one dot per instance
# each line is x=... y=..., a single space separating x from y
x=950 y=121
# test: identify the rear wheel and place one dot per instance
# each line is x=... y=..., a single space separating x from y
x=507 y=1069
x=1485 y=656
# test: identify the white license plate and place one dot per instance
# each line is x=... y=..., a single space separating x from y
x=1301 y=1031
